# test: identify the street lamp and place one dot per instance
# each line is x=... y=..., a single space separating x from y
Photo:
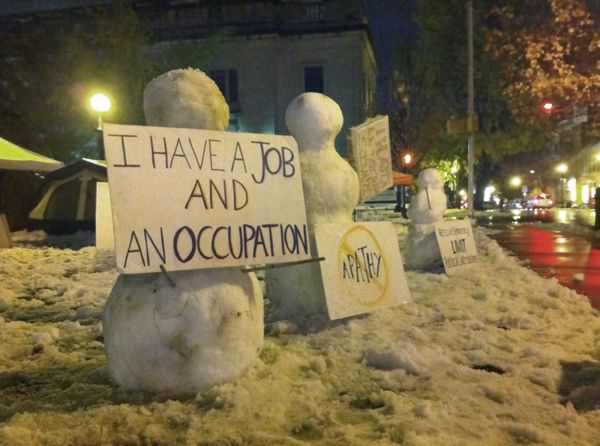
x=515 y=181
x=100 y=103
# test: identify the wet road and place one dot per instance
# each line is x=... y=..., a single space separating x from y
x=573 y=259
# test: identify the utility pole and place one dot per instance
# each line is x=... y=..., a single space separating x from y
x=470 y=112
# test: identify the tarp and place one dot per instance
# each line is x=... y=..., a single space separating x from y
x=16 y=158
x=402 y=179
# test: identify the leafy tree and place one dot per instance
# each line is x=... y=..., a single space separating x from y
x=548 y=50
x=47 y=73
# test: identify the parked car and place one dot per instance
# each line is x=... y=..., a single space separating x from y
x=539 y=201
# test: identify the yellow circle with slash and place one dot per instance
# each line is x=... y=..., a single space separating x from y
x=368 y=293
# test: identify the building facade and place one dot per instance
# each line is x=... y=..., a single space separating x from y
x=269 y=51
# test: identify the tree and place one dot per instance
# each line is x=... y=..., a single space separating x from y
x=47 y=73
x=548 y=50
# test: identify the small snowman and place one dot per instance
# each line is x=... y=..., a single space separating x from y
x=331 y=193
x=206 y=326
x=426 y=208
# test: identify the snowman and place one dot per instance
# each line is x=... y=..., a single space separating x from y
x=182 y=333
x=330 y=194
x=427 y=207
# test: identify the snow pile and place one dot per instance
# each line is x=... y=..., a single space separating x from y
x=497 y=356
x=426 y=208
x=330 y=188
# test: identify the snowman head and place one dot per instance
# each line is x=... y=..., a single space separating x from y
x=186 y=99
x=430 y=178
x=314 y=120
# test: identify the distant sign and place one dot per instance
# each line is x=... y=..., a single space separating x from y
x=369 y=147
x=362 y=270
x=462 y=126
x=457 y=245
x=105 y=239
x=192 y=199
x=5 y=239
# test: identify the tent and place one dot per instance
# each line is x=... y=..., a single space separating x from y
x=14 y=157
x=18 y=188
x=68 y=200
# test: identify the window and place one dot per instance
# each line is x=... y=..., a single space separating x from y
x=313 y=79
x=227 y=81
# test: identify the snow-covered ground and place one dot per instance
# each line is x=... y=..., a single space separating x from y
x=494 y=357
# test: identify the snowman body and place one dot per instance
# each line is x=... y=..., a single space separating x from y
x=426 y=208
x=331 y=192
x=206 y=330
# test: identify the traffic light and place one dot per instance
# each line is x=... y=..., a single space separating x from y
x=548 y=106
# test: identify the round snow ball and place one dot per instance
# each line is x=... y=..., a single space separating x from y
x=313 y=119
x=206 y=331
x=185 y=99
x=430 y=178
x=579 y=277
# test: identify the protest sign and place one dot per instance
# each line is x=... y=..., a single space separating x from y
x=457 y=245
x=104 y=225
x=369 y=148
x=362 y=270
x=192 y=199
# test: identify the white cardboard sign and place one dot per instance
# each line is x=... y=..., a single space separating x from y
x=362 y=270
x=193 y=199
x=369 y=147
x=105 y=240
x=457 y=245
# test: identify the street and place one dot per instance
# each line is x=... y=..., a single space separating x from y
x=563 y=246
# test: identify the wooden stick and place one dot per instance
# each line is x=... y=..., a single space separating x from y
x=281 y=265
x=428 y=201
x=169 y=278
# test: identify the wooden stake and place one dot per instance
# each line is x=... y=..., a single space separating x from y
x=428 y=201
x=281 y=265
x=169 y=278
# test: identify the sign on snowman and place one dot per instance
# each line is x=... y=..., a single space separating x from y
x=457 y=245
x=194 y=199
x=362 y=270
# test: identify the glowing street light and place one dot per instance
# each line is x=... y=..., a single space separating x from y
x=562 y=168
x=100 y=103
x=515 y=181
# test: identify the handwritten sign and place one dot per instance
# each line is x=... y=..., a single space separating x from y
x=362 y=270
x=192 y=199
x=105 y=239
x=369 y=148
x=457 y=245
x=5 y=240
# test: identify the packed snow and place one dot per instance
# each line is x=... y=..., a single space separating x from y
x=330 y=187
x=495 y=356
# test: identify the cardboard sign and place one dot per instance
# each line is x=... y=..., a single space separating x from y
x=5 y=239
x=362 y=270
x=105 y=239
x=192 y=199
x=457 y=245
x=369 y=148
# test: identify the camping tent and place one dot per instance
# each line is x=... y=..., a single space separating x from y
x=17 y=189
x=14 y=157
x=68 y=200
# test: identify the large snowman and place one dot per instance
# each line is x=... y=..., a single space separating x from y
x=208 y=328
x=330 y=195
x=427 y=207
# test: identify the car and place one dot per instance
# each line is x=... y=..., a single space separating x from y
x=539 y=201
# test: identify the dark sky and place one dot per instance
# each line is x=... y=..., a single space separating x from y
x=390 y=22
